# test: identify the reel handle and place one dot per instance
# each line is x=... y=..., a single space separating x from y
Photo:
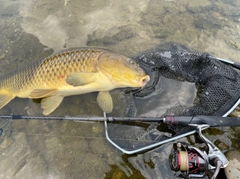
x=217 y=163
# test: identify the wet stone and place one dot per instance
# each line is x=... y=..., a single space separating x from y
x=123 y=34
x=52 y=143
x=2 y=56
x=6 y=143
x=196 y=4
x=222 y=145
x=10 y=10
x=233 y=168
x=118 y=174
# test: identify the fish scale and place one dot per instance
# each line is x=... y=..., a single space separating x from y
x=47 y=71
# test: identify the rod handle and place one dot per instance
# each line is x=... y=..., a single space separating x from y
x=178 y=120
x=213 y=121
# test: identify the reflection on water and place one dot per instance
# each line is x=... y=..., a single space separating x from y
x=31 y=30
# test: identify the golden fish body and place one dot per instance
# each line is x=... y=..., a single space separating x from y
x=72 y=72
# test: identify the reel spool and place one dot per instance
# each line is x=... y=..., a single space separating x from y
x=188 y=161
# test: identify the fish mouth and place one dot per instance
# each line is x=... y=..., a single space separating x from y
x=144 y=80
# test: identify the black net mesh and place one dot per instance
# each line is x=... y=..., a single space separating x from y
x=217 y=83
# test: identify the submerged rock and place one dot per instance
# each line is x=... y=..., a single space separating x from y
x=233 y=168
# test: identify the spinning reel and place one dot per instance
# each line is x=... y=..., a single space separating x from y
x=190 y=162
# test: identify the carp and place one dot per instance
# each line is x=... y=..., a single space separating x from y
x=72 y=72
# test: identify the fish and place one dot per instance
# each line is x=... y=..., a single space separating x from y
x=72 y=72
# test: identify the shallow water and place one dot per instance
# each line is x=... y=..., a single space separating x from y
x=32 y=30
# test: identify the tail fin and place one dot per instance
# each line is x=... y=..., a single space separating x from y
x=5 y=98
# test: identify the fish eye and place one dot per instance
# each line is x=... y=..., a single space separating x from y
x=132 y=62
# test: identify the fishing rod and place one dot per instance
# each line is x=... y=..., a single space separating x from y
x=184 y=158
x=212 y=121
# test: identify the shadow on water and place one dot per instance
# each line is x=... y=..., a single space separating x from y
x=69 y=149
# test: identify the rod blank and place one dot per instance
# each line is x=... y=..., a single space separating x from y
x=110 y=119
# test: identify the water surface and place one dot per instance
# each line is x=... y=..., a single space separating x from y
x=31 y=30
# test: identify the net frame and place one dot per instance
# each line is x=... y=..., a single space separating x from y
x=224 y=111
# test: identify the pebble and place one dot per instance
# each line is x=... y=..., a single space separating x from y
x=2 y=56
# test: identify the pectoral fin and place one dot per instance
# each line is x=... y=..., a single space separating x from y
x=104 y=100
x=5 y=98
x=41 y=93
x=49 y=104
x=79 y=79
